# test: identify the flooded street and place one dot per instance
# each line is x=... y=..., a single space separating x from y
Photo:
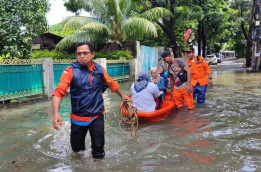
x=224 y=134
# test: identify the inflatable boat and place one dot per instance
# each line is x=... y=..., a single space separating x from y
x=166 y=108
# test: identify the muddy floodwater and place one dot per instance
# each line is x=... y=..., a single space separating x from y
x=224 y=134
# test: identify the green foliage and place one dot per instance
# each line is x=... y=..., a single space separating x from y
x=117 y=22
x=73 y=6
x=20 y=22
x=57 y=29
x=187 y=19
x=161 y=40
x=115 y=55
x=239 y=15
x=54 y=54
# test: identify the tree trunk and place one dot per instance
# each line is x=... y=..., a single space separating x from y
x=169 y=31
x=248 y=53
x=168 y=26
x=199 y=39
x=204 y=41
x=248 y=36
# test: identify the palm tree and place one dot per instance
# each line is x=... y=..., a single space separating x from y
x=115 y=22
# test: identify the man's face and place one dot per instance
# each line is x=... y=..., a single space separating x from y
x=190 y=55
x=84 y=55
x=167 y=59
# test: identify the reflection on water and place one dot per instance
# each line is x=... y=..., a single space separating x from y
x=224 y=134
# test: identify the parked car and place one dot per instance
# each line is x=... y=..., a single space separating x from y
x=219 y=57
x=212 y=59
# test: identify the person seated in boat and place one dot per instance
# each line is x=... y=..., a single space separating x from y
x=160 y=82
x=143 y=93
x=165 y=76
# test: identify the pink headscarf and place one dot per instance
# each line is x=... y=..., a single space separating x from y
x=156 y=76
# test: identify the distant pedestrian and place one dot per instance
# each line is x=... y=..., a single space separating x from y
x=200 y=75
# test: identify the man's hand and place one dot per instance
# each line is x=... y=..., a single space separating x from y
x=210 y=82
x=57 y=121
x=171 y=96
x=189 y=89
x=124 y=97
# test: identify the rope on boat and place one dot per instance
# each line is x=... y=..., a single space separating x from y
x=128 y=117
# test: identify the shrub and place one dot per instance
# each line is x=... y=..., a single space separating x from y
x=115 y=55
x=54 y=54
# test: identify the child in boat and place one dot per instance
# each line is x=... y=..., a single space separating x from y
x=143 y=93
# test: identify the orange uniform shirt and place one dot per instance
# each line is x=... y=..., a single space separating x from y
x=67 y=76
x=199 y=70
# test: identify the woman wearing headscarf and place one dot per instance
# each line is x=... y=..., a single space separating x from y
x=143 y=93
x=158 y=80
x=164 y=74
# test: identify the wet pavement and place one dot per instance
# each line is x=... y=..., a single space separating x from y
x=224 y=134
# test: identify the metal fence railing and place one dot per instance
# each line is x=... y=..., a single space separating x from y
x=20 y=80
x=58 y=70
x=119 y=71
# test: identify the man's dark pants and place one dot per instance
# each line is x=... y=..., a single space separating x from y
x=199 y=92
x=96 y=128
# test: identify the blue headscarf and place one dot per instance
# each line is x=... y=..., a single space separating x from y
x=141 y=82
x=162 y=74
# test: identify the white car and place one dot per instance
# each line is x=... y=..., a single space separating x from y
x=219 y=57
x=212 y=59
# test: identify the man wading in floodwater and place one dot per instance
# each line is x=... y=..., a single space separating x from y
x=85 y=79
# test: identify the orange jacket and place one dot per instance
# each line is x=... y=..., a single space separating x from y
x=66 y=79
x=199 y=70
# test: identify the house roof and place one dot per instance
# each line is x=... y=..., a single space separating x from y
x=40 y=38
x=48 y=34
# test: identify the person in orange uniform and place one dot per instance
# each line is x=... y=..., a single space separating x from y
x=179 y=74
x=200 y=75
x=85 y=79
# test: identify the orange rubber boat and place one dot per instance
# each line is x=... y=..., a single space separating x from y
x=166 y=108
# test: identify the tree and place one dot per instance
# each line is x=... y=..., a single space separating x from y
x=114 y=20
x=20 y=22
x=212 y=26
x=184 y=15
x=166 y=24
x=243 y=12
x=73 y=6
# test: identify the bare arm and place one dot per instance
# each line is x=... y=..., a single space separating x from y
x=208 y=71
x=209 y=79
x=171 y=85
x=57 y=118
x=123 y=96
x=188 y=79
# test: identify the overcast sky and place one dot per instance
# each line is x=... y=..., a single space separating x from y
x=58 y=12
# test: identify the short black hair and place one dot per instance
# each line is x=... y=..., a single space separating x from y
x=165 y=54
x=191 y=49
x=85 y=43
